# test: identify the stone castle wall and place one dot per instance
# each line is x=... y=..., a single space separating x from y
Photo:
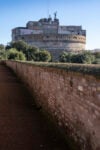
x=72 y=99
x=56 y=44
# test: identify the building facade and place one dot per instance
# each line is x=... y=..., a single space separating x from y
x=48 y=34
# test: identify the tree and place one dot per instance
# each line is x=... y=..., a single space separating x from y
x=43 y=55
x=97 y=61
x=66 y=57
x=2 y=47
x=2 y=51
x=97 y=54
x=8 y=46
x=86 y=57
x=19 y=45
x=97 y=58
x=62 y=57
x=13 y=54
x=76 y=58
x=31 y=53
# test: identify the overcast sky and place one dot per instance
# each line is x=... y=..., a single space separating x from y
x=15 y=13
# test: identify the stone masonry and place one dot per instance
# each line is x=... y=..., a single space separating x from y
x=72 y=100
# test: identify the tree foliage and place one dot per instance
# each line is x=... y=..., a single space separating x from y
x=85 y=57
x=66 y=57
x=13 y=54
x=32 y=53
x=42 y=55
x=20 y=50
x=2 y=47
x=19 y=45
x=2 y=51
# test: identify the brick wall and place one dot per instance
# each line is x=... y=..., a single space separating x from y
x=72 y=99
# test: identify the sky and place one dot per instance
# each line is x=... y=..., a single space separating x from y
x=16 y=13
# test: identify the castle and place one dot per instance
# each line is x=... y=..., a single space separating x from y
x=48 y=34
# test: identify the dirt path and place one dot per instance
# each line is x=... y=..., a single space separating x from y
x=22 y=126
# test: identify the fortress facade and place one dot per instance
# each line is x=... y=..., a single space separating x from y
x=48 y=34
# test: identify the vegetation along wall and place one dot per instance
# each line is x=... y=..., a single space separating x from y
x=70 y=94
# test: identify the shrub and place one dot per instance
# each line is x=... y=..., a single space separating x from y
x=43 y=55
x=13 y=54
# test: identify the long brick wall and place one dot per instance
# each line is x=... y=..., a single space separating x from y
x=72 y=99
